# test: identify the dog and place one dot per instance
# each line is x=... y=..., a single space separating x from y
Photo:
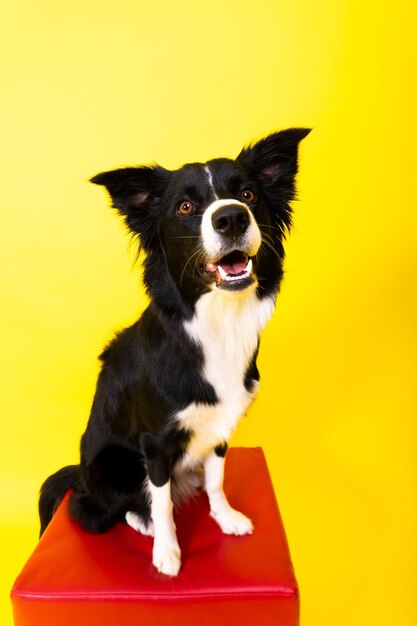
x=174 y=385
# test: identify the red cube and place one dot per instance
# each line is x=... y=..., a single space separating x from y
x=76 y=578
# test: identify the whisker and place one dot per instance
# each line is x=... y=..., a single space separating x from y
x=268 y=244
x=197 y=260
x=269 y=241
x=280 y=229
x=186 y=237
x=268 y=238
x=198 y=251
x=263 y=250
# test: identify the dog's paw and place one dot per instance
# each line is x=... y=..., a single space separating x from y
x=167 y=559
x=233 y=522
x=136 y=522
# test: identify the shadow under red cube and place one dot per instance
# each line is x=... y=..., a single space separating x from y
x=78 y=579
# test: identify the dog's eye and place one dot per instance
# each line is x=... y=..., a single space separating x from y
x=247 y=195
x=185 y=208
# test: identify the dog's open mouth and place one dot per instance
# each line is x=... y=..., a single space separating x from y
x=233 y=271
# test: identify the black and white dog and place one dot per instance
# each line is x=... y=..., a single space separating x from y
x=173 y=386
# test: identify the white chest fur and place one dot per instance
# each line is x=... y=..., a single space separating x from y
x=227 y=328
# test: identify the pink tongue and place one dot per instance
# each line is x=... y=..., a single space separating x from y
x=235 y=268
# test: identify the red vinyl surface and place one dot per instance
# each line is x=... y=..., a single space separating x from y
x=78 y=578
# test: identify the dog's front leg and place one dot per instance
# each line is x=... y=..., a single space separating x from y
x=166 y=555
x=230 y=521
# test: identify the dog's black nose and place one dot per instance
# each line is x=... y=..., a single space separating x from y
x=231 y=220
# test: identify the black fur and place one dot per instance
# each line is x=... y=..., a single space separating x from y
x=153 y=369
x=53 y=490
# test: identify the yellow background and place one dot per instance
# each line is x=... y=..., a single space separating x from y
x=91 y=85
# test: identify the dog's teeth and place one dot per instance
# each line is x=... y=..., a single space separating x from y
x=248 y=268
x=222 y=273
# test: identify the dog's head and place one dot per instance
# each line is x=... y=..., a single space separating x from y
x=213 y=226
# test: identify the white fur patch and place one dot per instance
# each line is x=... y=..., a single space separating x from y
x=166 y=555
x=227 y=329
x=213 y=242
x=210 y=180
x=136 y=522
x=230 y=521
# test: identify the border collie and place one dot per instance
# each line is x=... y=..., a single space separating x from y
x=174 y=385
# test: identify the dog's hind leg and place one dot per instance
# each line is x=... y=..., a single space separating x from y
x=135 y=521
x=91 y=514
x=112 y=484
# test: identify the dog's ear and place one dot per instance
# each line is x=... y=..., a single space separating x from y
x=273 y=162
x=136 y=193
